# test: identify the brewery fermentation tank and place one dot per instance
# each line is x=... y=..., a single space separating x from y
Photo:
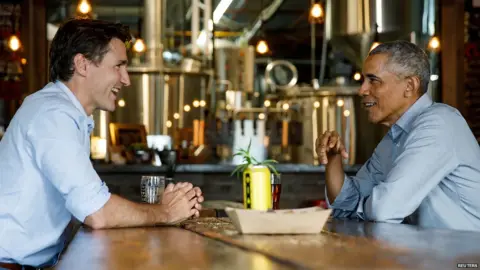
x=308 y=114
x=353 y=25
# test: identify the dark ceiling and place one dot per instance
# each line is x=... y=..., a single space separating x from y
x=287 y=31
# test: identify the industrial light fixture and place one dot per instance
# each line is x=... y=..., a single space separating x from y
x=84 y=7
x=357 y=76
x=434 y=44
x=262 y=47
x=139 y=45
x=316 y=13
x=14 y=43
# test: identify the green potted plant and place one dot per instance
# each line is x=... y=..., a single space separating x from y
x=257 y=192
x=249 y=160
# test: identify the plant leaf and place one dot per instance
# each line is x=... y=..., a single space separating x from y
x=270 y=161
x=272 y=169
x=239 y=169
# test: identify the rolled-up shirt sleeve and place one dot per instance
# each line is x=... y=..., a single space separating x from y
x=424 y=160
x=355 y=189
x=60 y=155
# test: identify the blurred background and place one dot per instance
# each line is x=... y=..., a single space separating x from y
x=211 y=76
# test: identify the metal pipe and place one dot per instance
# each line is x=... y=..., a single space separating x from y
x=323 y=59
x=195 y=25
x=312 y=44
x=265 y=14
x=207 y=28
x=153 y=30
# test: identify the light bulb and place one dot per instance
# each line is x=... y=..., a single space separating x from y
x=84 y=7
x=139 y=46
x=262 y=47
x=121 y=103
x=357 y=76
x=14 y=43
x=434 y=43
x=316 y=11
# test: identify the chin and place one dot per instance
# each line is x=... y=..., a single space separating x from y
x=109 y=108
x=374 y=120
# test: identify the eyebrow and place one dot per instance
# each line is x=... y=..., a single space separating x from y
x=372 y=76
x=122 y=62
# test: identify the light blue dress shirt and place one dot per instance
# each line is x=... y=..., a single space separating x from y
x=429 y=161
x=46 y=176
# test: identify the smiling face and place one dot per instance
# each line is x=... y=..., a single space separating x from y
x=106 y=79
x=385 y=95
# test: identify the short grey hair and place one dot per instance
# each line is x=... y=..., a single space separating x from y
x=406 y=59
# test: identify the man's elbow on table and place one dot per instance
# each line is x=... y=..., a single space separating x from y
x=96 y=221
x=385 y=214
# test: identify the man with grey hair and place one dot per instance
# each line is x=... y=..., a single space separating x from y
x=429 y=161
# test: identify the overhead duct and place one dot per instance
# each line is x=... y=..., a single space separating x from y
x=265 y=14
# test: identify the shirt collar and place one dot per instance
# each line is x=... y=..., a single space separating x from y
x=406 y=120
x=89 y=121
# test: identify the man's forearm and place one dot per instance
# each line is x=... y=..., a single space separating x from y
x=119 y=212
x=334 y=177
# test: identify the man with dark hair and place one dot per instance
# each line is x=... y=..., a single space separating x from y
x=429 y=162
x=45 y=172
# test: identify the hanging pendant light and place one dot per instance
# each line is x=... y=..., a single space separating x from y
x=262 y=47
x=84 y=7
x=14 y=43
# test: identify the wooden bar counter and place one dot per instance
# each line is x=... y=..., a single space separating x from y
x=214 y=243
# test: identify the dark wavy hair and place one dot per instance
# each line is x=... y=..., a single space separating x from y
x=88 y=37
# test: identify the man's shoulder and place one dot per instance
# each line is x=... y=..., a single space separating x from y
x=49 y=99
x=440 y=113
x=441 y=119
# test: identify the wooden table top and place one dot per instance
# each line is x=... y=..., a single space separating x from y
x=355 y=244
x=156 y=248
x=214 y=243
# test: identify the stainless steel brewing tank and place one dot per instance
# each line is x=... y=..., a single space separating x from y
x=235 y=65
x=351 y=24
x=331 y=108
x=142 y=102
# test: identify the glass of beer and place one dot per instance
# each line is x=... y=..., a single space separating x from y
x=151 y=188
x=276 y=190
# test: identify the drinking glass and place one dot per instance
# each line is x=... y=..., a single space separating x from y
x=151 y=188
x=276 y=190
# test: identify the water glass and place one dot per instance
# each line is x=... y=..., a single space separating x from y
x=152 y=188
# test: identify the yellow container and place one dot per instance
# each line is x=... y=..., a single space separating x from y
x=257 y=189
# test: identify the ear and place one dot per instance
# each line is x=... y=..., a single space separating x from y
x=412 y=86
x=80 y=64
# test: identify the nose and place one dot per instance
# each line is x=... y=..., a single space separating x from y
x=125 y=78
x=364 y=89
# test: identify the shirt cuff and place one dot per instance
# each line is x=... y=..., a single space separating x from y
x=347 y=199
x=81 y=206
